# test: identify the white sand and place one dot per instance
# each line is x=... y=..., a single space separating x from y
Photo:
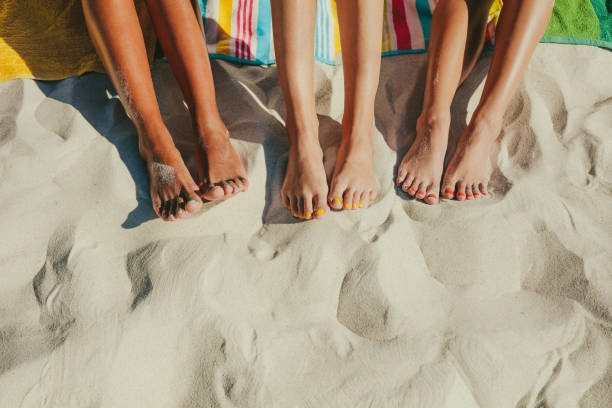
x=504 y=302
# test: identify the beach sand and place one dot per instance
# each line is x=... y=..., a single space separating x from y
x=502 y=302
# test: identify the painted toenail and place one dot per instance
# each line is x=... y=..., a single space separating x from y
x=179 y=212
x=212 y=188
x=354 y=205
x=337 y=200
x=360 y=205
x=460 y=194
x=308 y=215
x=165 y=216
x=347 y=205
x=190 y=201
x=421 y=193
x=431 y=196
x=448 y=191
x=484 y=194
x=320 y=211
x=295 y=214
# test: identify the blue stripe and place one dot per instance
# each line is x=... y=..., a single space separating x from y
x=318 y=30
x=424 y=12
x=325 y=26
x=264 y=24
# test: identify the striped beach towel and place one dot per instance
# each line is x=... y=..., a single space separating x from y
x=241 y=30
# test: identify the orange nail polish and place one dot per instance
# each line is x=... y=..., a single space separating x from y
x=431 y=196
x=449 y=191
x=460 y=194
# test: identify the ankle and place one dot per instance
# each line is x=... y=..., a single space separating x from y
x=434 y=118
x=484 y=127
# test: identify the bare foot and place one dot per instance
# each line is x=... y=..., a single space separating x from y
x=467 y=174
x=305 y=186
x=173 y=191
x=222 y=174
x=420 y=171
x=353 y=184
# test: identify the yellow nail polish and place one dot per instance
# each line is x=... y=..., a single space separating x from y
x=347 y=205
x=360 y=205
x=308 y=215
x=337 y=200
x=354 y=205
x=295 y=214
x=320 y=211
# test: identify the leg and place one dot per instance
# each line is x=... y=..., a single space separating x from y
x=304 y=190
x=521 y=25
x=109 y=23
x=420 y=171
x=353 y=183
x=221 y=171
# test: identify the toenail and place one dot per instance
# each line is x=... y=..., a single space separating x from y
x=484 y=194
x=460 y=194
x=308 y=215
x=320 y=211
x=360 y=205
x=337 y=200
x=165 y=215
x=190 y=201
x=431 y=196
x=179 y=212
x=212 y=188
x=239 y=185
x=448 y=191
x=421 y=193
x=354 y=205
x=295 y=214
x=347 y=205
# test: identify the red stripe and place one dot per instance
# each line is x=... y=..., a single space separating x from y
x=401 y=25
x=250 y=29
x=238 y=44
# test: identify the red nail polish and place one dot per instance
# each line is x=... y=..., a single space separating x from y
x=431 y=196
x=448 y=191
x=460 y=194
x=484 y=194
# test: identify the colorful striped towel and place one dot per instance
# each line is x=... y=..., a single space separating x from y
x=241 y=30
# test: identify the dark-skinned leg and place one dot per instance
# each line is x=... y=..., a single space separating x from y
x=304 y=190
x=353 y=184
x=109 y=23
x=222 y=174
x=521 y=25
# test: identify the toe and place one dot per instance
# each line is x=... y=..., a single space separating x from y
x=363 y=200
x=192 y=201
x=227 y=189
x=476 y=191
x=234 y=186
x=319 y=207
x=295 y=209
x=483 y=187
x=347 y=199
x=468 y=192
x=432 y=194
x=420 y=194
x=307 y=208
x=213 y=193
x=240 y=184
x=336 y=197
x=407 y=183
x=461 y=193
x=402 y=174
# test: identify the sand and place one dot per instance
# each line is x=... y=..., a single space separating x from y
x=504 y=302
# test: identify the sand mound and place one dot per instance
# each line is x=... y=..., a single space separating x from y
x=504 y=302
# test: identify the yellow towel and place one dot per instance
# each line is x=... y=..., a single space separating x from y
x=48 y=39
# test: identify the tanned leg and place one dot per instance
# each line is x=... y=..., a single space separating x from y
x=353 y=184
x=222 y=173
x=109 y=23
x=451 y=56
x=305 y=188
x=520 y=27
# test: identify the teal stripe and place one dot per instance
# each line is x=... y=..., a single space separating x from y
x=326 y=28
x=264 y=24
x=318 y=26
x=424 y=12
x=203 y=7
